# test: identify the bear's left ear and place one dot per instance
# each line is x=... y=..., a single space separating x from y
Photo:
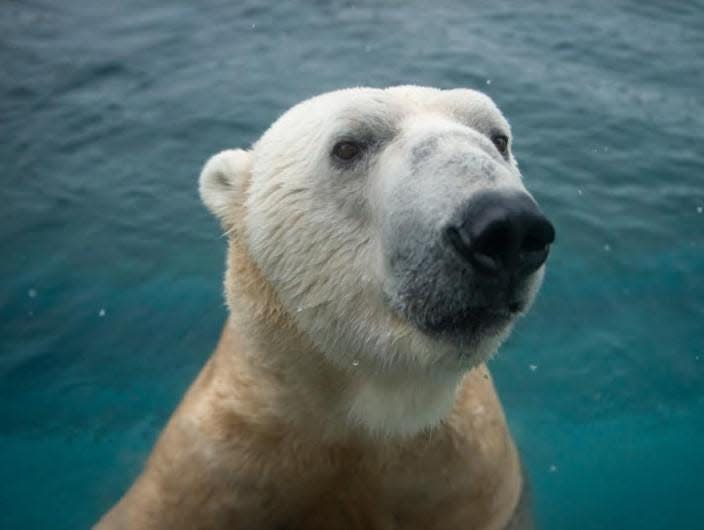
x=223 y=181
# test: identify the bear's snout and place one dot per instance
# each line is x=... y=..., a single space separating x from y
x=501 y=233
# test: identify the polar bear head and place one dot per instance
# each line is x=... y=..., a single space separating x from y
x=393 y=225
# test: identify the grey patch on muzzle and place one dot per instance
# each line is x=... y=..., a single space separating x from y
x=422 y=151
x=472 y=164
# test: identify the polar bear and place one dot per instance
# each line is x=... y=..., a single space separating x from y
x=381 y=246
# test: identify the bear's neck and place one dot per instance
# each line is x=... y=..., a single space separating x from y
x=263 y=353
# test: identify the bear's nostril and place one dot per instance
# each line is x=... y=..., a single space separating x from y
x=538 y=235
x=494 y=238
x=459 y=239
x=484 y=260
x=532 y=244
x=535 y=245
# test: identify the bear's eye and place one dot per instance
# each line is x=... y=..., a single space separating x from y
x=501 y=142
x=347 y=150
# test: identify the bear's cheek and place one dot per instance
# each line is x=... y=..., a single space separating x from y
x=344 y=194
x=319 y=262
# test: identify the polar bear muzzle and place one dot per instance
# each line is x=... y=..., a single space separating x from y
x=502 y=238
x=465 y=242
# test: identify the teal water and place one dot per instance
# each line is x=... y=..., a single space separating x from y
x=111 y=269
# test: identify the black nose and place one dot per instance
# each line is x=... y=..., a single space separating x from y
x=502 y=233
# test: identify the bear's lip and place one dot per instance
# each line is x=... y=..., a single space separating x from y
x=475 y=319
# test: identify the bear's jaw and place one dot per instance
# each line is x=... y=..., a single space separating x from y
x=317 y=399
x=310 y=387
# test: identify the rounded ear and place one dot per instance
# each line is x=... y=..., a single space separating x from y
x=223 y=181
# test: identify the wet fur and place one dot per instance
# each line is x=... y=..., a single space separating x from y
x=278 y=432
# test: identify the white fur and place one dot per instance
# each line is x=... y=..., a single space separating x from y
x=222 y=181
x=319 y=233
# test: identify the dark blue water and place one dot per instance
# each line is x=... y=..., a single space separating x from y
x=111 y=269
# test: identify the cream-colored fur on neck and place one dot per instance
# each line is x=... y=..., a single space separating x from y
x=403 y=404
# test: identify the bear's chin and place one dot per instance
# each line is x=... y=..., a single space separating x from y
x=470 y=324
x=473 y=341
x=455 y=348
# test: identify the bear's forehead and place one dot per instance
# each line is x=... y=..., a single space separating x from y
x=386 y=109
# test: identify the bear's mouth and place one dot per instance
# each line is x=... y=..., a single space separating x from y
x=474 y=320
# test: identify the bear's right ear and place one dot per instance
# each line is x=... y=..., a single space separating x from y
x=223 y=181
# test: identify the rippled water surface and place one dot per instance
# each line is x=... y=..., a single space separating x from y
x=111 y=268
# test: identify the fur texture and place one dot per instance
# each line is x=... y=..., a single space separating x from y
x=327 y=404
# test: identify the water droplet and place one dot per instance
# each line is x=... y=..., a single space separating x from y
x=355 y=363
x=700 y=209
x=101 y=313
x=488 y=81
x=533 y=367
x=607 y=247
x=552 y=468
x=32 y=293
